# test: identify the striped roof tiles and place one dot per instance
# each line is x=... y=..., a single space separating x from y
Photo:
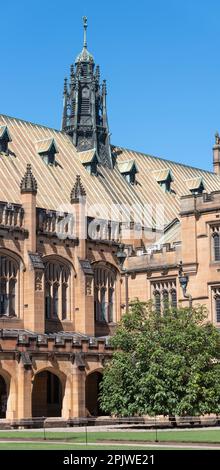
x=109 y=187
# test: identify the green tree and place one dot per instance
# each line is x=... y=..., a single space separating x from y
x=163 y=364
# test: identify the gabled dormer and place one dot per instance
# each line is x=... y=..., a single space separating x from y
x=128 y=169
x=164 y=178
x=47 y=150
x=89 y=160
x=195 y=185
x=5 y=138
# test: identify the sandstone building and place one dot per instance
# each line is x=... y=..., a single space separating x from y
x=85 y=227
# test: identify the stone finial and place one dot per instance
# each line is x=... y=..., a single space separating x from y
x=78 y=191
x=28 y=183
x=217 y=138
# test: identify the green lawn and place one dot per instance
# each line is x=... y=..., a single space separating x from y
x=178 y=436
x=49 y=446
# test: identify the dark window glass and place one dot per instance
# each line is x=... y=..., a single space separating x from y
x=173 y=298
x=216 y=247
x=47 y=302
x=165 y=299
x=217 y=308
x=3 y=298
x=64 y=301
x=157 y=302
x=55 y=299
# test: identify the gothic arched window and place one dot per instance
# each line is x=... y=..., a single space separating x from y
x=8 y=283
x=165 y=299
x=157 y=301
x=104 y=293
x=217 y=308
x=173 y=298
x=216 y=246
x=57 y=280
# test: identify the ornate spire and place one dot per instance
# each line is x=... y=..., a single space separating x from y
x=85 y=28
x=85 y=109
x=84 y=55
x=28 y=182
x=78 y=191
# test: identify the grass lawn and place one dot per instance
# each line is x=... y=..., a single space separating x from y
x=72 y=447
x=211 y=436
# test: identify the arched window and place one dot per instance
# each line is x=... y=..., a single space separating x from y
x=57 y=280
x=157 y=301
x=173 y=298
x=164 y=294
x=165 y=299
x=217 y=308
x=8 y=280
x=104 y=293
x=216 y=246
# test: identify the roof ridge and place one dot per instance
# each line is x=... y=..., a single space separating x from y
x=163 y=159
x=30 y=122
x=113 y=146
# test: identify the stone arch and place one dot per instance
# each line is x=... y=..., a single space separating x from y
x=48 y=392
x=92 y=389
x=5 y=381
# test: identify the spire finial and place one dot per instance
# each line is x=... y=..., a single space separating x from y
x=28 y=183
x=78 y=191
x=85 y=28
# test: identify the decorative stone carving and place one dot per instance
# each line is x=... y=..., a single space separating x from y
x=88 y=285
x=38 y=280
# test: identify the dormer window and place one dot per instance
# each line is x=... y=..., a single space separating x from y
x=89 y=160
x=128 y=170
x=4 y=139
x=195 y=185
x=164 y=178
x=47 y=150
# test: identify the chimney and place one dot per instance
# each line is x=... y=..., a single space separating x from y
x=216 y=154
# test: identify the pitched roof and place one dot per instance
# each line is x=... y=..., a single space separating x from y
x=148 y=189
x=109 y=187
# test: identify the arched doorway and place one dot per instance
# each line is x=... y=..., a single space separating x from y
x=3 y=398
x=93 y=382
x=47 y=395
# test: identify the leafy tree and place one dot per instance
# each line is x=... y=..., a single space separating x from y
x=163 y=364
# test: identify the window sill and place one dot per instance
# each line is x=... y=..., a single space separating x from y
x=8 y=317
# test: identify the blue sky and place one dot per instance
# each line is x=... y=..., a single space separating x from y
x=161 y=60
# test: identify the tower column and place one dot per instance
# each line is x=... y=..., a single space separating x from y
x=33 y=278
x=216 y=155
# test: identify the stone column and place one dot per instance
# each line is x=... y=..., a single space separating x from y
x=33 y=280
x=24 y=392
x=74 y=397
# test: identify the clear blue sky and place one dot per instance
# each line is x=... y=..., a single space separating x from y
x=161 y=59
